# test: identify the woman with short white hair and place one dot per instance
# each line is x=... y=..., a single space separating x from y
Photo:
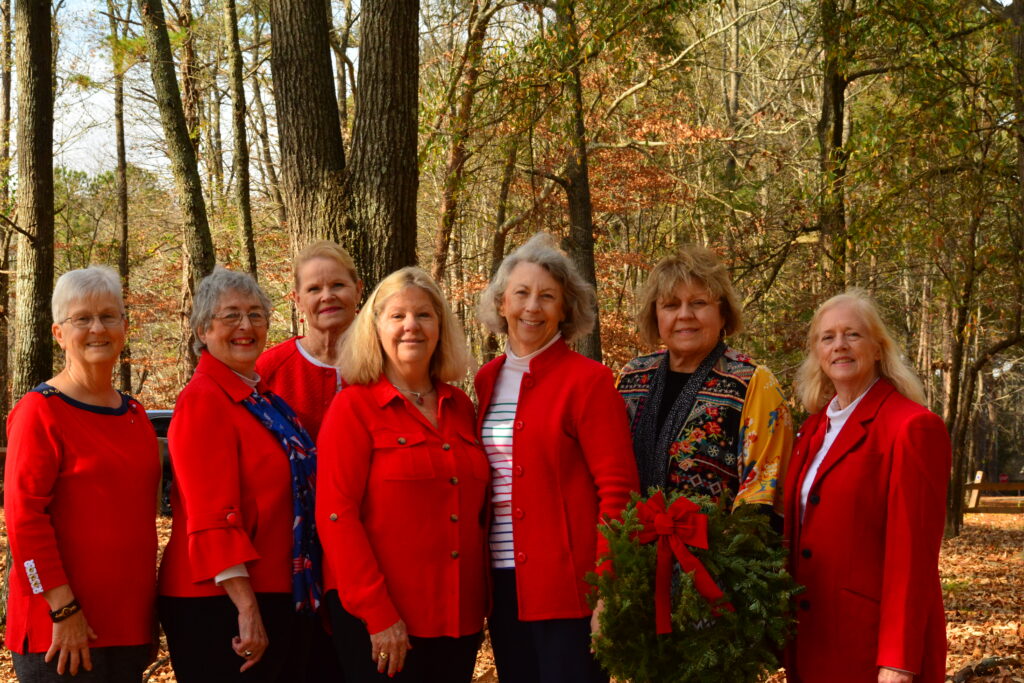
x=80 y=488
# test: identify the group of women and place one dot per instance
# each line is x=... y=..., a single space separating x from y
x=339 y=489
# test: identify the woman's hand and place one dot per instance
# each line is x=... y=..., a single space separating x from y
x=887 y=675
x=251 y=641
x=70 y=644
x=388 y=648
x=595 y=623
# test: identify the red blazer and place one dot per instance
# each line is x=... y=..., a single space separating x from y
x=232 y=496
x=81 y=485
x=400 y=508
x=572 y=466
x=307 y=388
x=867 y=548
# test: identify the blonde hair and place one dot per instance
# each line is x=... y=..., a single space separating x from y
x=691 y=264
x=361 y=357
x=579 y=302
x=327 y=250
x=812 y=385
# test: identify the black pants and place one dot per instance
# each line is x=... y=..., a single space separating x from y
x=548 y=651
x=431 y=660
x=109 y=665
x=199 y=633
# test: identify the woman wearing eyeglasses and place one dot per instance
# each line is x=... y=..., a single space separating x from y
x=242 y=567
x=81 y=479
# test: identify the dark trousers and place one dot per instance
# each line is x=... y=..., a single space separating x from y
x=199 y=633
x=548 y=651
x=431 y=660
x=109 y=665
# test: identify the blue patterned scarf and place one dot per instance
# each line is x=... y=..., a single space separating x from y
x=307 y=566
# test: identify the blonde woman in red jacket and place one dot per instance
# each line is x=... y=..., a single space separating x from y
x=401 y=498
x=865 y=506
x=555 y=432
x=81 y=479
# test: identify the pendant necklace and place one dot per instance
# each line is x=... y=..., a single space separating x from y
x=416 y=395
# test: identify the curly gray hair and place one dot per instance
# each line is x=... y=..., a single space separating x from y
x=209 y=293
x=578 y=294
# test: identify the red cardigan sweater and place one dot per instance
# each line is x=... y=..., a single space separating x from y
x=400 y=510
x=232 y=497
x=307 y=388
x=81 y=485
x=572 y=466
x=867 y=548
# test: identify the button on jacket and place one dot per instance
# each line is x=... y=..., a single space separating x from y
x=401 y=509
x=867 y=548
x=572 y=466
x=232 y=496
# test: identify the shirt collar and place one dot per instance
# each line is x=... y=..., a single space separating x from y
x=226 y=378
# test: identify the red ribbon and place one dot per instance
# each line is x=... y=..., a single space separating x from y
x=674 y=529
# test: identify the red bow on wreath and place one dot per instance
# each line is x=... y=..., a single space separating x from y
x=675 y=528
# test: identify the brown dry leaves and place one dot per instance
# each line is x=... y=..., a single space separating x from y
x=983 y=585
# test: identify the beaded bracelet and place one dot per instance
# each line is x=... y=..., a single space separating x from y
x=66 y=611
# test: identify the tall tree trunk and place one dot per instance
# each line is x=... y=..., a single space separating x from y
x=6 y=45
x=189 y=82
x=199 y=258
x=312 y=157
x=577 y=176
x=383 y=173
x=479 y=19
x=832 y=155
x=241 y=143
x=121 y=176
x=33 y=352
x=264 y=134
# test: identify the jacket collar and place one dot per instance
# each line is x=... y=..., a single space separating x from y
x=384 y=392
x=855 y=429
x=541 y=363
x=225 y=377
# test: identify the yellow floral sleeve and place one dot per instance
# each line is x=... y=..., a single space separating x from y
x=766 y=432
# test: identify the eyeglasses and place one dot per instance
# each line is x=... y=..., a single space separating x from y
x=84 y=322
x=234 y=318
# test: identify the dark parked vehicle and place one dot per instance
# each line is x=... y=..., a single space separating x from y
x=161 y=420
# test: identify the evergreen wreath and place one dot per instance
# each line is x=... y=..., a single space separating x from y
x=736 y=638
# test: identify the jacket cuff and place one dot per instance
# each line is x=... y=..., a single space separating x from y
x=42 y=576
x=213 y=550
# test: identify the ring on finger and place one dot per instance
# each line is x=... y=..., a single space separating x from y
x=383 y=656
x=247 y=653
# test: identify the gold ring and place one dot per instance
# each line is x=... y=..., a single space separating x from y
x=383 y=656
x=247 y=653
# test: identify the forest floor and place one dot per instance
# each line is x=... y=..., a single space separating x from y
x=982 y=579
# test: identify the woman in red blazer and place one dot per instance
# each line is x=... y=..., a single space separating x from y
x=555 y=431
x=240 y=576
x=401 y=497
x=865 y=506
x=81 y=479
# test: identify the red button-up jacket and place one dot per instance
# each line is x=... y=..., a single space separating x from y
x=867 y=548
x=401 y=508
x=232 y=497
x=572 y=466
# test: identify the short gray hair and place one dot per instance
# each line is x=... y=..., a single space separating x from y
x=83 y=283
x=208 y=295
x=579 y=299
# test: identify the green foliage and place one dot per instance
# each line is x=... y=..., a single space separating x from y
x=747 y=561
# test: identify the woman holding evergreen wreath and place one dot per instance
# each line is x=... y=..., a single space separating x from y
x=81 y=480
x=865 y=508
x=554 y=431
x=240 y=578
x=705 y=419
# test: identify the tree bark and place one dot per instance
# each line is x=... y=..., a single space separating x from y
x=121 y=176
x=189 y=82
x=832 y=154
x=383 y=172
x=241 y=143
x=577 y=177
x=264 y=135
x=312 y=158
x=199 y=258
x=6 y=45
x=33 y=352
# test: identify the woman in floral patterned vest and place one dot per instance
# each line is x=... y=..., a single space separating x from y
x=705 y=418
